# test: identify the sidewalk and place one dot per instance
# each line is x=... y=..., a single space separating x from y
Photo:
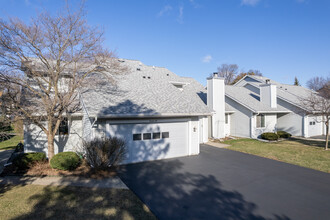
x=113 y=182
x=216 y=144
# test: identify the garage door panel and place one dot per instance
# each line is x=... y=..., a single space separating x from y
x=142 y=150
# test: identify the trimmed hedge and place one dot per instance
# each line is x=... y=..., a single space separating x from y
x=283 y=134
x=65 y=161
x=24 y=161
x=269 y=136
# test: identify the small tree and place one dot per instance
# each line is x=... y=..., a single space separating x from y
x=319 y=101
x=228 y=72
x=49 y=60
x=296 y=82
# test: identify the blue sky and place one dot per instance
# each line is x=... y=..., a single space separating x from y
x=281 y=38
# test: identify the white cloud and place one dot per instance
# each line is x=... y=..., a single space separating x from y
x=249 y=2
x=194 y=4
x=207 y=59
x=164 y=10
x=180 y=17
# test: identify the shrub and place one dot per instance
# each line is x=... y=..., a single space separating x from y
x=19 y=147
x=269 y=136
x=65 y=161
x=283 y=134
x=104 y=153
x=24 y=161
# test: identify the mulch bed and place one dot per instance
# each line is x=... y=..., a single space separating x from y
x=43 y=169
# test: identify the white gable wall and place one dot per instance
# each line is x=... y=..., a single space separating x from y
x=270 y=125
x=292 y=122
x=35 y=140
x=245 y=80
x=240 y=120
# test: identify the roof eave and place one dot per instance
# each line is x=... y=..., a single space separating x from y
x=163 y=115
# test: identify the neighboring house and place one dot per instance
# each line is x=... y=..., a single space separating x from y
x=158 y=114
x=256 y=105
x=162 y=115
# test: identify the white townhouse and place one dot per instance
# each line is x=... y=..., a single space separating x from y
x=162 y=115
x=255 y=105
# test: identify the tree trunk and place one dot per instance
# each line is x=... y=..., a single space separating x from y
x=50 y=147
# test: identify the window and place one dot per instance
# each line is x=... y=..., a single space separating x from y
x=63 y=129
x=156 y=135
x=261 y=121
x=226 y=118
x=146 y=136
x=137 y=137
x=165 y=134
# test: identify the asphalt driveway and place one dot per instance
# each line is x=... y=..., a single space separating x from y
x=224 y=184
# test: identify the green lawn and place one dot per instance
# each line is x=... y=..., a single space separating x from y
x=11 y=143
x=304 y=153
x=54 y=202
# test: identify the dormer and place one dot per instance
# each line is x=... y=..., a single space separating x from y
x=179 y=85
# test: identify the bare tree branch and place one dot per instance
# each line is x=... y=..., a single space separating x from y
x=47 y=62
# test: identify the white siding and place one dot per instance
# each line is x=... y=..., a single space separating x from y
x=194 y=137
x=240 y=120
x=35 y=140
x=203 y=131
x=315 y=126
x=291 y=122
x=270 y=125
x=227 y=126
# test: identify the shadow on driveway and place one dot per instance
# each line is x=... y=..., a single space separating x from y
x=220 y=184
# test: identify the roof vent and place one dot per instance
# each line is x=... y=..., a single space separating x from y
x=167 y=74
x=267 y=81
x=122 y=61
x=144 y=77
x=215 y=74
x=138 y=69
x=148 y=77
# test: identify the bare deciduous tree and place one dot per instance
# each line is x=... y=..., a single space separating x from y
x=318 y=103
x=49 y=60
x=228 y=72
x=316 y=83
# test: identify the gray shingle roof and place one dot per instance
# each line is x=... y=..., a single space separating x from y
x=290 y=93
x=146 y=91
x=250 y=99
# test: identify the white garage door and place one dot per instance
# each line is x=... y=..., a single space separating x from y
x=314 y=126
x=152 y=141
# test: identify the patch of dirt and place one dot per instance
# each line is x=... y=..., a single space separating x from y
x=44 y=169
